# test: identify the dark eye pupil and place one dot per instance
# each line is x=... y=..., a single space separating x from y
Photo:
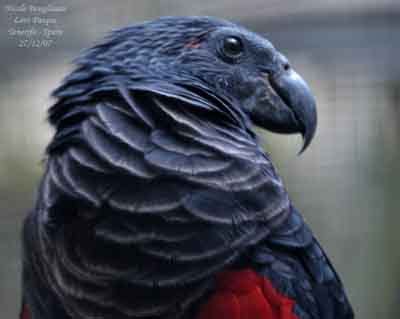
x=232 y=46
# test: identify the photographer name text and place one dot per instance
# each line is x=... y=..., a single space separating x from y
x=34 y=26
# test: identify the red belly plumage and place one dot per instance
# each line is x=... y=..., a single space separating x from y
x=246 y=295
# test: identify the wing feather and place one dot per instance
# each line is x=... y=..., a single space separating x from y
x=160 y=198
x=294 y=261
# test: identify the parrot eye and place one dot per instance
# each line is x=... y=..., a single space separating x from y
x=232 y=47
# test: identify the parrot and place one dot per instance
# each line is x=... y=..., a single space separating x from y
x=158 y=199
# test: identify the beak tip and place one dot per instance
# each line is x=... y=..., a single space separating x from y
x=305 y=145
x=308 y=136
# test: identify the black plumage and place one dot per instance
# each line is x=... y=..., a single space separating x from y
x=155 y=180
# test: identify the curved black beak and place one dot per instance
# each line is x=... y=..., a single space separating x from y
x=286 y=104
x=296 y=94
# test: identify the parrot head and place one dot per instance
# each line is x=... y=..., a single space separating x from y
x=247 y=68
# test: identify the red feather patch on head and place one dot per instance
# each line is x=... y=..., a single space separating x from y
x=246 y=295
x=193 y=44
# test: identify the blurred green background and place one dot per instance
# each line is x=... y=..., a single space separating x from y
x=346 y=184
